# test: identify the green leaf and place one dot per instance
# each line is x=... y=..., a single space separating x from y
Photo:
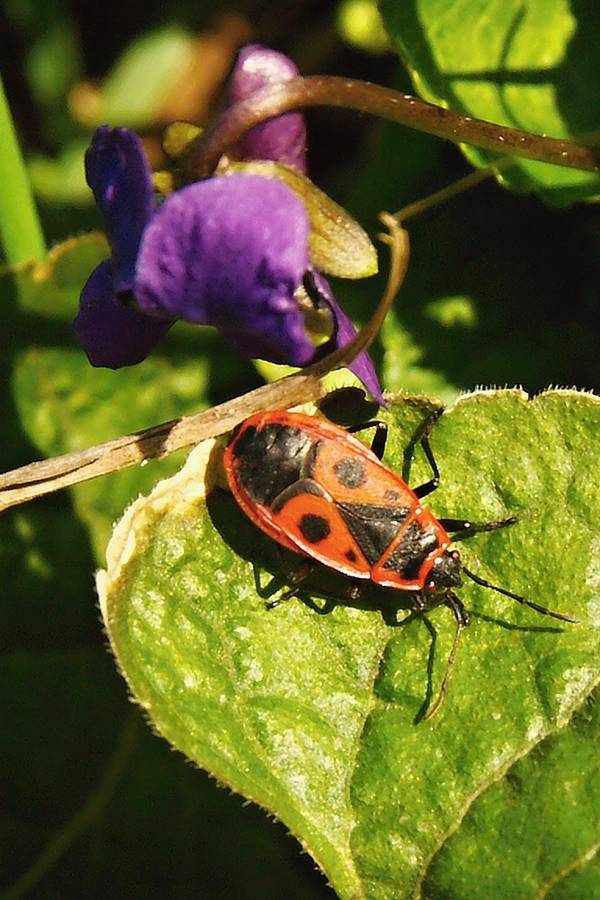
x=134 y=92
x=21 y=237
x=64 y=404
x=61 y=179
x=530 y=65
x=50 y=289
x=313 y=715
x=558 y=785
x=523 y=275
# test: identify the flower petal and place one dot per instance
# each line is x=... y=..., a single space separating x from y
x=282 y=139
x=231 y=252
x=343 y=333
x=111 y=334
x=118 y=173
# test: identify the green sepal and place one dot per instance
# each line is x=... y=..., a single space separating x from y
x=338 y=244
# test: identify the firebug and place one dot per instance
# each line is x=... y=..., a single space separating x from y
x=319 y=491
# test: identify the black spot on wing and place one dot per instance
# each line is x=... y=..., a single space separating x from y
x=314 y=528
x=350 y=555
x=373 y=527
x=416 y=544
x=350 y=472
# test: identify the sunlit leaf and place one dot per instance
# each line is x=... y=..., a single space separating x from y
x=134 y=92
x=529 y=65
x=314 y=715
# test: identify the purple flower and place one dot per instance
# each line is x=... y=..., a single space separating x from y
x=231 y=252
x=282 y=139
x=228 y=251
x=111 y=330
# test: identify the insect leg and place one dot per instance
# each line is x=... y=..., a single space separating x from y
x=462 y=620
x=541 y=609
x=379 y=438
x=464 y=529
x=423 y=489
x=297 y=579
x=419 y=603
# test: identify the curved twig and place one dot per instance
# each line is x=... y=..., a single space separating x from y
x=328 y=90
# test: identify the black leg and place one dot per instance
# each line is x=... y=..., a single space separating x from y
x=541 y=609
x=351 y=594
x=419 y=603
x=464 y=529
x=462 y=620
x=296 y=579
x=379 y=438
x=423 y=438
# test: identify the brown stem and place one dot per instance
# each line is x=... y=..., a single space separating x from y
x=362 y=96
x=474 y=178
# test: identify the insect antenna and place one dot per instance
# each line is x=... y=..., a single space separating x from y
x=462 y=620
x=541 y=609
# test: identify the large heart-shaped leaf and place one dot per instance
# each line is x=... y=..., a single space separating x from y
x=557 y=784
x=312 y=711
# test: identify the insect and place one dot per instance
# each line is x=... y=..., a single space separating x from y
x=319 y=491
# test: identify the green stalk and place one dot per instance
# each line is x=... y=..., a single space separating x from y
x=20 y=230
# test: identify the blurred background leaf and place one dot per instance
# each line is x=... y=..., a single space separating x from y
x=133 y=93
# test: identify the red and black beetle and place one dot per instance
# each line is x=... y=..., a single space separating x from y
x=315 y=489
